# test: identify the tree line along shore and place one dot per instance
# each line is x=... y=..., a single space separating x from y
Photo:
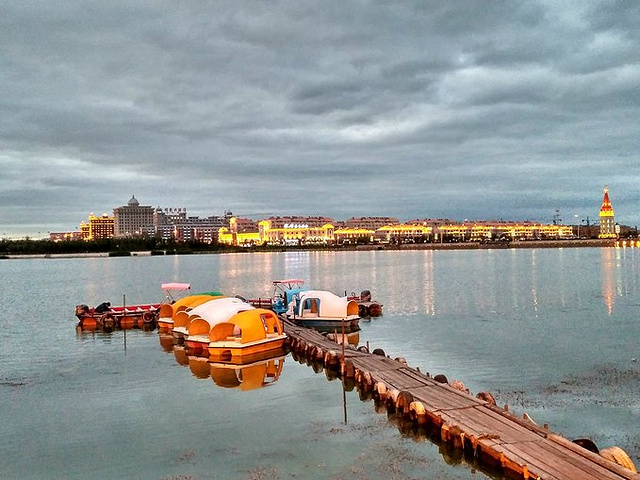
x=149 y=247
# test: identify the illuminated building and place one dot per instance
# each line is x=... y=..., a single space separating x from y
x=280 y=222
x=607 y=218
x=65 y=236
x=84 y=231
x=555 y=231
x=241 y=232
x=353 y=235
x=245 y=232
x=481 y=232
x=454 y=232
x=532 y=231
x=369 y=223
x=98 y=227
x=132 y=219
x=403 y=233
x=298 y=233
x=431 y=222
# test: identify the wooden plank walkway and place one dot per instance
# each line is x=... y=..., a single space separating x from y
x=493 y=436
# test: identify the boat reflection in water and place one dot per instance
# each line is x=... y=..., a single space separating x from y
x=245 y=373
x=181 y=355
x=199 y=366
x=166 y=341
x=111 y=328
x=249 y=376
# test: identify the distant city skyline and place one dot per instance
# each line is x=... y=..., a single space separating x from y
x=556 y=217
x=478 y=110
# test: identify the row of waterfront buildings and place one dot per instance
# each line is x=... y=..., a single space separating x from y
x=173 y=224
x=143 y=221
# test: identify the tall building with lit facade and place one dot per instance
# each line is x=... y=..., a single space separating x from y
x=132 y=219
x=97 y=227
x=607 y=218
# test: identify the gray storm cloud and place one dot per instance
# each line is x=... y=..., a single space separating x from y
x=477 y=109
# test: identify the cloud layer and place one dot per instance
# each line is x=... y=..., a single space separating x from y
x=470 y=109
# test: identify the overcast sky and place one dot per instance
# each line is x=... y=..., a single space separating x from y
x=458 y=109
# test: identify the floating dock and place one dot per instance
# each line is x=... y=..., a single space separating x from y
x=490 y=437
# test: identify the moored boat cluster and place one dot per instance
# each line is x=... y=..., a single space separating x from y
x=222 y=328
x=230 y=340
x=231 y=328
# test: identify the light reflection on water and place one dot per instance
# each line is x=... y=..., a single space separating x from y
x=550 y=332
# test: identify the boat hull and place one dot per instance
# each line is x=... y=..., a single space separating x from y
x=118 y=317
x=165 y=323
x=196 y=347
x=179 y=333
x=325 y=325
x=88 y=322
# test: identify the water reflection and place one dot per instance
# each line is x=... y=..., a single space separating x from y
x=483 y=285
x=166 y=340
x=608 y=288
x=250 y=376
x=480 y=331
x=180 y=352
x=235 y=267
x=87 y=330
x=534 y=282
x=452 y=455
x=257 y=371
x=428 y=288
x=199 y=366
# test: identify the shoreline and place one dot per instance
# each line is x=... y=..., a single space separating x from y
x=55 y=255
x=596 y=242
x=582 y=243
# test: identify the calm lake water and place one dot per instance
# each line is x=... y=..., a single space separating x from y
x=551 y=332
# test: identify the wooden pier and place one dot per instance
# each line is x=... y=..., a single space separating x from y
x=492 y=437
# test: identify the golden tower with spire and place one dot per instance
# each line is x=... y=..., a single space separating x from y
x=607 y=219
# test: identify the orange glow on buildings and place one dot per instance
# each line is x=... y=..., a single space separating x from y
x=607 y=217
x=98 y=227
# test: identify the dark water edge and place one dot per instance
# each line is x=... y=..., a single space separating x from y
x=487 y=245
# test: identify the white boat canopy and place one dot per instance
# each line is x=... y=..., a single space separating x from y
x=220 y=309
x=176 y=286
x=325 y=304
